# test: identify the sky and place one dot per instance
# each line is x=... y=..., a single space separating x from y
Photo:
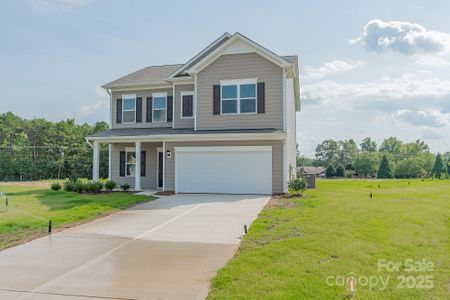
x=367 y=68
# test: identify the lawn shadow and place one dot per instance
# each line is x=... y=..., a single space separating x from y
x=62 y=200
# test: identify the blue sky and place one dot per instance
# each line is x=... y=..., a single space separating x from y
x=368 y=68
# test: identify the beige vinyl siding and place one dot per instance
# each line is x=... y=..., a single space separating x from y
x=291 y=135
x=277 y=159
x=149 y=180
x=240 y=66
x=182 y=122
x=140 y=93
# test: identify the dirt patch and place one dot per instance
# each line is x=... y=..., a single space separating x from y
x=27 y=183
x=167 y=193
x=281 y=201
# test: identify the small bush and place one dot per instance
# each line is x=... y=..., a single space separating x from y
x=79 y=186
x=296 y=186
x=56 y=186
x=69 y=186
x=125 y=186
x=110 y=185
x=93 y=186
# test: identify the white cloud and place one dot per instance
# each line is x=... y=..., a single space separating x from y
x=52 y=6
x=336 y=66
x=408 y=85
x=404 y=37
x=429 y=117
x=101 y=103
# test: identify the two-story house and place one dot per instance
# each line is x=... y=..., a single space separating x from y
x=223 y=122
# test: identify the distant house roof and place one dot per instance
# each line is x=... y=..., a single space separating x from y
x=154 y=75
x=314 y=170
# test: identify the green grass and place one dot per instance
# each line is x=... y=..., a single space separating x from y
x=337 y=230
x=30 y=207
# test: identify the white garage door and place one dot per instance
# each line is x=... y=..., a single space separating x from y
x=233 y=170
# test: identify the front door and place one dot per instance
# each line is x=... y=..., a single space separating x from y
x=160 y=169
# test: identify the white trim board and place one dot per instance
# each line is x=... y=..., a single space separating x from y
x=191 y=137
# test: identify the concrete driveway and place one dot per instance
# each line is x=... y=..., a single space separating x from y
x=169 y=248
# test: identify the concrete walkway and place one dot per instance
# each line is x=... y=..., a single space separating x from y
x=169 y=248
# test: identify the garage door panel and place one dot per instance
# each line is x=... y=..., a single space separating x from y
x=232 y=170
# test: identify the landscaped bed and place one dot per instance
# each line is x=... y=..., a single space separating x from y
x=31 y=206
x=310 y=247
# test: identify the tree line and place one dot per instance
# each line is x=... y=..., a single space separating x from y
x=392 y=158
x=38 y=149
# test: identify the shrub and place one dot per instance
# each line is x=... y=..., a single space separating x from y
x=79 y=186
x=296 y=186
x=330 y=172
x=110 y=185
x=56 y=186
x=93 y=186
x=125 y=186
x=69 y=186
x=340 y=172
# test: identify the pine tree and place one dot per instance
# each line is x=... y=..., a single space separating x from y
x=385 y=171
x=438 y=166
x=340 y=171
x=329 y=172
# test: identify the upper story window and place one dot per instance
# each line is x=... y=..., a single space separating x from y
x=129 y=108
x=187 y=104
x=238 y=96
x=159 y=107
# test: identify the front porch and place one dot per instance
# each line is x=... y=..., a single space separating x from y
x=126 y=166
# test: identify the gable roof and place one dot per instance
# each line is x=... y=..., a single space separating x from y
x=162 y=75
x=212 y=54
x=211 y=47
x=153 y=75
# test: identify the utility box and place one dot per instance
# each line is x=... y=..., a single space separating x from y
x=310 y=180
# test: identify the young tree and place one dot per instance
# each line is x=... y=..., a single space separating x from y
x=392 y=146
x=366 y=164
x=448 y=166
x=330 y=172
x=327 y=152
x=368 y=145
x=348 y=150
x=438 y=167
x=384 y=171
x=340 y=171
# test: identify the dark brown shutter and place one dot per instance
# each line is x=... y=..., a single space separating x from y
x=216 y=99
x=261 y=98
x=169 y=108
x=119 y=111
x=188 y=106
x=149 y=109
x=122 y=164
x=139 y=110
x=143 y=157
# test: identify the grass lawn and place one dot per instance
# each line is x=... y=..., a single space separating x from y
x=306 y=248
x=30 y=207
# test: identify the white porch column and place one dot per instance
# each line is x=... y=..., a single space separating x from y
x=109 y=162
x=164 y=166
x=96 y=161
x=137 y=175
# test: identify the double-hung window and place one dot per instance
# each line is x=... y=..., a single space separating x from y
x=238 y=96
x=130 y=161
x=129 y=108
x=159 y=107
